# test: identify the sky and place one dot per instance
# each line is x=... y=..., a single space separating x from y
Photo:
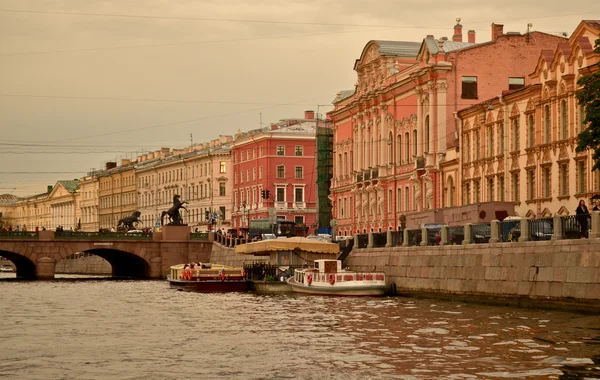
x=86 y=82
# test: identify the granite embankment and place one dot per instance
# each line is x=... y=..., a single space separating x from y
x=562 y=273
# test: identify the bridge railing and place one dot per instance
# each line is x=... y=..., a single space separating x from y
x=19 y=235
x=72 y=235
x=199 y=236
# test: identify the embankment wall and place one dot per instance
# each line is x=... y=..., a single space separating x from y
x=563 y=271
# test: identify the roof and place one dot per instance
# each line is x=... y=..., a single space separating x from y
x=287 y=244
x=345 y=94
x=448 y=46
x=593 y=23
x=71 y=185
x=8 y=199
x=398 y=48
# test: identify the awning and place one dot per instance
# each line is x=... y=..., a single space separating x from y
x=288 y=244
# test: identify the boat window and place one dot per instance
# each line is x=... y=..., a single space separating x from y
x=316 y=264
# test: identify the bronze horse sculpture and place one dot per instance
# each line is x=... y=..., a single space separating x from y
x=173 y=213
x=128 y=223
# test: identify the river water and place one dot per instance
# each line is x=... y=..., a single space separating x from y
x=75 y=328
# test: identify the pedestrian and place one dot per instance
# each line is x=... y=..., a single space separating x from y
x=582 y=218
x=596 y=208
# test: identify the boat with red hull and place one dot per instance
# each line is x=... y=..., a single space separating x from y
x=207 y=278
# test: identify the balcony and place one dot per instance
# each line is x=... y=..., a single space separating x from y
x=367 y=175
x=359 y=177
x=375 y=173
x=419 y=162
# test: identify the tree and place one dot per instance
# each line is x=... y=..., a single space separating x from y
x=589 y=98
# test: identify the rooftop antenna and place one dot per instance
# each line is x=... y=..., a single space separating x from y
x=260 y=119
x=191 y=141
x=529 y=26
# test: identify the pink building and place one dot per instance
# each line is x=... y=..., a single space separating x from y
x=280 y=160
x=396 y=132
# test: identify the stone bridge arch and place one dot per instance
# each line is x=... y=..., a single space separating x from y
x=127 y=259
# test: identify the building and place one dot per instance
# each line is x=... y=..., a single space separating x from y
x=281 y=161
x=7 y=210
x=64 y=205
x=396 y=132
x=520 y=146
x=117 y=193
x=89 y=199
x=199 y=175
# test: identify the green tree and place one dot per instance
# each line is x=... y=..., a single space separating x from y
x=589 y=98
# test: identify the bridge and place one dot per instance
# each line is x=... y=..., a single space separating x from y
x=138 y=255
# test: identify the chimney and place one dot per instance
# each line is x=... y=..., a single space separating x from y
x=165 y=151
x=273 y=127
x=441 y=43
x=49 y=189
x=111 y=165
x=457 y=37
x=471 y=34
x=309 y=115
x=497 y=31
x=125 y=161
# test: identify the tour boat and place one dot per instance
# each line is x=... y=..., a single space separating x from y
x=328 y=278
x=205 y=277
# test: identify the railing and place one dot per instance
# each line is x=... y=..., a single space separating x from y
x=414 y=237
x=199 y=236
x=509 y=231
x=72 y=235
x=575 y=226
x=456 y=234
x=541 y=229
x=341 y=277
x=397 y=238
x=19 y=235
x=379 y=239
x=481 y=233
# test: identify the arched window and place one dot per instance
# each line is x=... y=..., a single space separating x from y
x=399 y=148
x=406 y=147
x=563 y=119
x=531 y=127
x=345 y=170
x=547 y=124
x=414 y=137
x=450 y=186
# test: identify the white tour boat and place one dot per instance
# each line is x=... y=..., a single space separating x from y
x=328 y=278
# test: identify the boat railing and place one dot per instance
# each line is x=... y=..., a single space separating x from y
x=346 y=277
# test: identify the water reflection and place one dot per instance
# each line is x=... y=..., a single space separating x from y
x=100 y=329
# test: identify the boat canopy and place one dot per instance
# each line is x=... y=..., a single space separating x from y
x=287 y=244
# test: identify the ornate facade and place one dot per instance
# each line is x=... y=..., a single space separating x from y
x=117 y=193
x=396 y=133
x=89 y=202
x=520 y=147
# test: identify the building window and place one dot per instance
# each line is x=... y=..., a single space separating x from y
x=516 y=145
x=477 y=144
x=427 y=134
x=299 y=194
x=467 y=150
x=467 y=194
x=260 y=172
x=563 y=173
x=398 y=199
x=500 y=138
x=516 y=83
x=515 y=187
x=280 y=150
x=399 y=148
x=299 y=172
x=563 y=119
x=242 y=155
x=222 y=189
x=280 y=194
x=222 y=212
x=531 y=128
x=280 y=171
x=260 y=151
x=414 y=137
x=530 y=185
x=299 y=219
x=299 y=150
x=581 y=188
x=501 y=188
x=254 y=174
x=547 y=122
x=546 y=180
x=222 y=167
x=469 y=87
x=389 y=201
x=253 y=152
x=450 y=185
x=406 y=147
x=490 y=189
x=406 y=199
x=581 y=118
x=476 y=191
x=490 y=133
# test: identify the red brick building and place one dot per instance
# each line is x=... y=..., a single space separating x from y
x=280 y=160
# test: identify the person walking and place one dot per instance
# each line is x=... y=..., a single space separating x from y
x=582 y=218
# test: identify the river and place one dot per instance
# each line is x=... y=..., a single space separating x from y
x=86 y=328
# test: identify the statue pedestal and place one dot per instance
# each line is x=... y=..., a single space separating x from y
x=175 y=233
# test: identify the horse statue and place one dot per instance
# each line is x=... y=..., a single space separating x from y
x=173 y=213
x=128 y=223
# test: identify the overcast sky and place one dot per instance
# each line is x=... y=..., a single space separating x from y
x=85 y=82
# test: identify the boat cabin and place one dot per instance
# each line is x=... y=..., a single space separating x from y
x=328 y=266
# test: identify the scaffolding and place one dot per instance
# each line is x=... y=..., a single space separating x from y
x=324 y=175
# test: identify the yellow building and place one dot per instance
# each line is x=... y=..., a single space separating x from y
x=520 y=146
x=117 y=193
x=7 y=209
x=89 y=202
